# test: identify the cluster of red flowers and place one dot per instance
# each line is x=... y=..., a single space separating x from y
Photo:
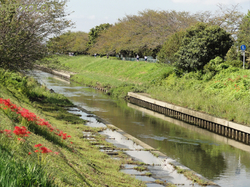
x=29 y=116
x=63 y=135
x=21 y=131
x=43 y=149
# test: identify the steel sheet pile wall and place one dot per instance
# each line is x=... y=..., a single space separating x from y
x=217 y=125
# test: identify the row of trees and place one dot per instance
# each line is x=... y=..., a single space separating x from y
x=172 y=36
x=149 y=33
x=188 y=41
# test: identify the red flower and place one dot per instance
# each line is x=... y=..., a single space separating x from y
x=36 y=151
x=21 y=131
x=45 y=150
x=1 y=131
x=7 y=131
x=56 y=153
x=38 y=145
x=71 y=142
x=29 y=153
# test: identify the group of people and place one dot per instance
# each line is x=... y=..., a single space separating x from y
x=145 y=58
x=137 y=57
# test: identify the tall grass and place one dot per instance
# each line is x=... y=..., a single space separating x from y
x=22 y=173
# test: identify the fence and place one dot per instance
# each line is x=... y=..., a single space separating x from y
x=150 y=59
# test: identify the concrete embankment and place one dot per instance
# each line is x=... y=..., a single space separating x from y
x=220 y=126
x=64 y=75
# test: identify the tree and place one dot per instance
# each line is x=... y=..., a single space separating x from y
x=69 y=42
x=24 y=29
x=227 y=17
x=244 y=35
x=95 y=33
x=142 y=34
x=170 y=47
x=200 y=44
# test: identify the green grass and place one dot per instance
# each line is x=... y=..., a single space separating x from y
x=111 y=74
x=77 y=164
x=192 y=176
x=224 y=95
x=16 y=172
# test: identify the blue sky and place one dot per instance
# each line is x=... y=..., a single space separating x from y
x=89 y=13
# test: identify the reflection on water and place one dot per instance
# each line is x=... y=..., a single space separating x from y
x=224 y=161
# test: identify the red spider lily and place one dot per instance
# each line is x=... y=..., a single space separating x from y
x=45 y=150
x=71 y=142
x=29 y=116
x=36 y=151
x=21 y=131
x=38 y=145
x=29 y=153
x=7 y=131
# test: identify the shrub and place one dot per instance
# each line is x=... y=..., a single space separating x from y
x=200 y=44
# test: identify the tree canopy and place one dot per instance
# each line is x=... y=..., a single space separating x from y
x=95 y=33
x=23 y=32
x=244 y=35
x=69 y=42
x=200 y=44
x=170 y=47
x=142 y=34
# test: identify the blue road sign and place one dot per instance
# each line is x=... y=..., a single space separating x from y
x=243 y=47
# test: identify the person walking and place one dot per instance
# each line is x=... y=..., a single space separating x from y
x=137 y=57
x=146 y=58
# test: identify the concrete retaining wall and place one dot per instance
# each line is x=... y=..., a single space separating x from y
x=61 y=74
x=217 y=125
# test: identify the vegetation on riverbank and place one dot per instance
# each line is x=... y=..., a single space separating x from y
x=222 y=91
x=43 y=142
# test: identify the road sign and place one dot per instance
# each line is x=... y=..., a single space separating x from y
x=243 y=47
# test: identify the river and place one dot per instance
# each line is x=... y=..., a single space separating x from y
x=221 y=160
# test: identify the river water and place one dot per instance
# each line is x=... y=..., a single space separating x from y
x=221 y=160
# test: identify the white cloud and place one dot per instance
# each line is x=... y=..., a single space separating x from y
x=211 y=2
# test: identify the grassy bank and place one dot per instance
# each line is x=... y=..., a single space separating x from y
x=224 y=93
x=41 y=143
x=117 y=76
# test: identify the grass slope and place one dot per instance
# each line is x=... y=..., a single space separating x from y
x=225 y=94
x=69 y=164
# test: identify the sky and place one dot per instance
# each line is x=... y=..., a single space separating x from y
x=90 y=13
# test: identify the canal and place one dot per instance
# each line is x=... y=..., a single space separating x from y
x=221 y=160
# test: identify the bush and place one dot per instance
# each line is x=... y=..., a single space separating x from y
x=200 y=44
x=235 y=63
x=170 y=47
